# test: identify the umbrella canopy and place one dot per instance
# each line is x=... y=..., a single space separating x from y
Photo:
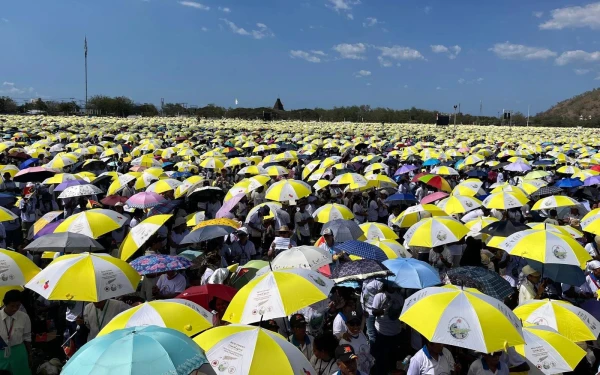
x=146 y=199
x=400 y=197
x=555 y=201
x=435 y=231
x=458 y=204
x=363 y=250
x=139 y=351
x=476 y=225
x=308 y=257
x=332 y=211
x=7 y=215
x=92 y=223
x=159 y=263
x=34 y=174
x=203 y=295
x=570 y=321
x=503 y=228
x=414 y=214
x=277 y=294
x=247 y=350
x=85 y=277
x=66 y=184
x=112 y=200
x=182 y=315
x=412 y=273
x=16 y=268
x=286 y=190
x=505 y=200
x=343 y=230
x=80 y=191
x=391 y=248
x=433 y=197
x=64 y=242
x=376 y=231
x=361 y=269
x=139 y=234
x=482 y=279
x=460 y=317
x=549 y=351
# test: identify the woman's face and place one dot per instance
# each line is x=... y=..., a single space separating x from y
x=221 y=306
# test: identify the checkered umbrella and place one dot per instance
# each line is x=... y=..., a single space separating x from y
x=484 y=280
x=359 y=270
x=363 y=249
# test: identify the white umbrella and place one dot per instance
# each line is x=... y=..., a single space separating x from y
x=80 y=191
x=307 y=257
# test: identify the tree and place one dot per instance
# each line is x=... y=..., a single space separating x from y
x=7 y=105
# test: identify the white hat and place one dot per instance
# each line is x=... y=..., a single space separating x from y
x=528 y=270
x=593 y=265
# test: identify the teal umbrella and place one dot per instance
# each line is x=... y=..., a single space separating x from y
x=149 y=350
x=190 y=254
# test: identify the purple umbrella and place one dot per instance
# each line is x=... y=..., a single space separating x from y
x=518 y=166
x=48 y=229
x=66 y=184
x=592 y=180
x=229 y=205
x=405 y=169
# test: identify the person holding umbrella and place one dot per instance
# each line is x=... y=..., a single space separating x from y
x=433 y=358
x=528 y=290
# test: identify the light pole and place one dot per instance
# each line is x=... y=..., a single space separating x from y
x=455 y=107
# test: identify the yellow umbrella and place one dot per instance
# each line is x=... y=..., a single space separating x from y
x=378 y=231
x=332 y=211
x=414 y=214
x=139 y=234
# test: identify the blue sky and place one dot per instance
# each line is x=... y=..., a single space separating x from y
x=394 y=53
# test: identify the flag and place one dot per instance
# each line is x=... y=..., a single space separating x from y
x=85 y=46
x=236 y=102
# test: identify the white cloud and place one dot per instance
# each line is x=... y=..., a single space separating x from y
x=351 y=51
x=370 y=22
x=9 y=88
x=400 y=53
x=317 y=52
x=261 y=32
x=581 y=72
x=343 y=6
x=511 y=51
x=471 y=81
x=469 y=70
x=574 y=17
x=362 y=73
x=225 y=9
x=368 y=83
x=4 y=20
x=577 y=56
x=479 y=80
x=461 y=81
x=439 y=88
x=193 y=4
x=452 y=51
x=298 y=54
x=383 y=62
x=405 y=86
x=427 y=9
x=538 y=14
x=204 y=29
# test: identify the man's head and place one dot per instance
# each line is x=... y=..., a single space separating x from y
x=12 y=302
x=242 y=235
x=594 y=267
x=346 y=359
x=298 y=324
x=353 y=322
x=328 y=236
x=492 y=358
x=6 y=176
x=171 y=274
x=264 y=210
x=531 y=274
x=435 y=348
x=553 y=213
x=284 y=231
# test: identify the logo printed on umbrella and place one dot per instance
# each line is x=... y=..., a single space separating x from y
x=318 y=280
x=469 y=204
x=540 y=321
x=559 y=252
x=459 y=328
x=46 y=284
x=547 y=203
x=441 y=235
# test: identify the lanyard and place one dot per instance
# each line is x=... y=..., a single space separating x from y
x=104 y=310
x=324 y=370
x=594 y=280
x=9 y=331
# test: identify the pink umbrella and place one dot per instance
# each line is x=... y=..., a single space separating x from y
x=434 y=197
x=145 y=199
x=34 y=174
x=229 y=205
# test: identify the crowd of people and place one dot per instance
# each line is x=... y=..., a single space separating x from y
x=390 y=180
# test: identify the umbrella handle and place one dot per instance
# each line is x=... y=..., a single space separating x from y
x=70 y=337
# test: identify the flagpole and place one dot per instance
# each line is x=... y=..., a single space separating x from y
x=85 y=49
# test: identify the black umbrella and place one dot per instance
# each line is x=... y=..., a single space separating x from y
x=361 y=269
x=65 y=242
x=482 y=279
x=205 y=193
x=207 y=233
x=546 y=190
x=504 y=228
x=34 y=174
x=343 y=230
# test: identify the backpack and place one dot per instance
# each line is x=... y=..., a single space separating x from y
x=393 y=308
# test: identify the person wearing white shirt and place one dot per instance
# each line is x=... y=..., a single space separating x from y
x=372 y=208
x=323 y=359
x=212 y=208
x=527 y=290
x=169 y=285
x=15 y=332
x=359 y=212
x=500 y=177
x=301 y=220
x=97 y=315
x=387 y=306
x=258 y=196
x=441 y=258
x=339 y=323
x=489 y=364
x=299 y=338
x=432 y=359
x=357 y=339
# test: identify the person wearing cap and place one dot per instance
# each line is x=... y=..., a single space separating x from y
x=346 y=360
x=270 y=324
x=489 y=364
x=243 y=248
x=355 y=337
x=593 y=277
x=329 y=245
x=177 y=234
x=323 y=359
x=360 y=215
x=281 y=242
x=592 y=246
x=299 y=338
x=339 y=323
x=434 y=359
x=528 y=289
x=255 y=223
x=302 y=219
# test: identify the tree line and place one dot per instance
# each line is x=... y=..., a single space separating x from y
x=123 y=106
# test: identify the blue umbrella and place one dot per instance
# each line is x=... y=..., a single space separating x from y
x=430 y=162
x=363 y=249
x=405 y=169
x=181 y=174
x=561 y=273
x=544 y=162
x=149 y=350
x=401 y=197
x=412 y=273
x=569 y=183
x=6 y=199
x=477 y=173
x=28 y=163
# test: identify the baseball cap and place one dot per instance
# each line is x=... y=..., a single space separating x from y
x=243 y=231
x=593 y=265
x=345 y=353
x=528 y=270
x=327 y=232
x=354 y=316
x=297 y=320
